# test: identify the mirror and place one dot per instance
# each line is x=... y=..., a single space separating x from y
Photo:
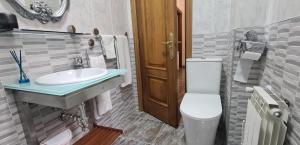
x=42 y=10
x=52 y=4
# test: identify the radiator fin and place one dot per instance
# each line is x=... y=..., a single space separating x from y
x=263 y=125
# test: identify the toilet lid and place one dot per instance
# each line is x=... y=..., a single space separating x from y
x=201 y=106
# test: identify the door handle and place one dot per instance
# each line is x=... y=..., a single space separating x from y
x=167 y=42
x=170 y=46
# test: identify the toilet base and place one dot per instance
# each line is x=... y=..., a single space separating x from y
x=200 y=132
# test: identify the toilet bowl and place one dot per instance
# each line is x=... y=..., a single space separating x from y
x=201 y=106
x=201 y=114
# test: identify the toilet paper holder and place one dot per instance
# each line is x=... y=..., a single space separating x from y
x=249 y=50
x=258 y=47
x=251 y=43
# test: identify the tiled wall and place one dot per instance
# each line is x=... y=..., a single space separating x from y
x=279 y=67
x=228 y=63
x=43 y=54
x=238 y=96
x=282 y=69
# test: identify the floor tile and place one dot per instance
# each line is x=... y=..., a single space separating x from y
x=143 y=129
x=168 y=136
x=129 y=120
x=125 y=141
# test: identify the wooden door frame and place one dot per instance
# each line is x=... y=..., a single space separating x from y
x=179 y=36
x=188 y=28
x=188 y=44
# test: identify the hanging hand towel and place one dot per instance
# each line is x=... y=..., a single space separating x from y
x=124 y=58
x=97 y=61
x=102 y=103
x=109 y=46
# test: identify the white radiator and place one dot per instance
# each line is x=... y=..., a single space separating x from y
x=266 y=119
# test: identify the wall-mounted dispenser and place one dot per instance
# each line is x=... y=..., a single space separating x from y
x=8 y=22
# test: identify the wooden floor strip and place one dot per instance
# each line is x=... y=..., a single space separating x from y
x=100 y=136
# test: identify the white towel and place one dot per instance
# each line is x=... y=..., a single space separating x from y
x=124 y=58
x=101 y=103
x=97 y=61
x=109 y=46
x=63 y=138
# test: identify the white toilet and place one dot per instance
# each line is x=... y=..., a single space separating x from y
x=201 y=107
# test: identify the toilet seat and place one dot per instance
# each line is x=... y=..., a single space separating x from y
x=201 y=106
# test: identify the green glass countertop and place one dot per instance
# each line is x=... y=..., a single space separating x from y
x=62 y=90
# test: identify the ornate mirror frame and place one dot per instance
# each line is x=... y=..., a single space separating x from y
x=40 y=11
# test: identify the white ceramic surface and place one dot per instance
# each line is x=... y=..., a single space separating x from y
x=200 y=132
x=201 y=106
x=71 y=76
x=204 y=75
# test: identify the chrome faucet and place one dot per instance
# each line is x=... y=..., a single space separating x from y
x=78 y=62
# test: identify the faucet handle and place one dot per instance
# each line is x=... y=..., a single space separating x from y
x=78 y=59
x=78 y=62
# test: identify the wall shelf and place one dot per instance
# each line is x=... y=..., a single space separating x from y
x=29 y=31
x=66 y=96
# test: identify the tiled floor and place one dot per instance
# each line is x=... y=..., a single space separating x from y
x=143 y=129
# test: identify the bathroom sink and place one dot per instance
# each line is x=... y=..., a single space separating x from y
x=71 y=76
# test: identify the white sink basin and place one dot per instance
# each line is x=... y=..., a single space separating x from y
x=71 y=76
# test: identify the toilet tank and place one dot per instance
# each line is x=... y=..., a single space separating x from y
x=203 y=75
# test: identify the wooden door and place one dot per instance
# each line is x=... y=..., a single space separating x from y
x=157 y=34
